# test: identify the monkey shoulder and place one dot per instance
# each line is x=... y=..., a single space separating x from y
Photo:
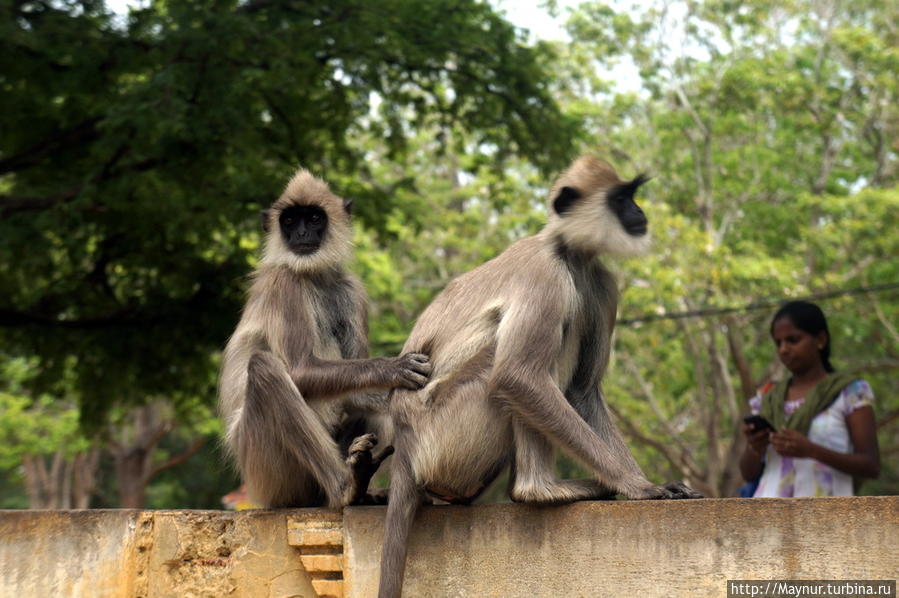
x=533 y=262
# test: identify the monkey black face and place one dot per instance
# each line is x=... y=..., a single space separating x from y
x=303 y=228
x=621 y=202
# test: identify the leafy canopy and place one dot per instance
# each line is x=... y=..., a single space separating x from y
x=137 y=151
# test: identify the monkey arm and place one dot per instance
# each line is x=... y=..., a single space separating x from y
x=542 y=406
x=321 y=378
x=600 y=419
x=529 y=345
x=318 y=377
x=288 y=334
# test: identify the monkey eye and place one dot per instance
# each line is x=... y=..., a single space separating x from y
x=316 y=217
x=288 y=220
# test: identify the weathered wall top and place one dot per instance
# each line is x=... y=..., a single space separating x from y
x=658 y=548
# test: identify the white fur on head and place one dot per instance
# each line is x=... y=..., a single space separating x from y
x=589 y=225
x=306 y=190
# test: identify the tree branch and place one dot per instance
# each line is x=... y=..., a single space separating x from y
x=649 y=395
x=9 y=203
x=80 y=133
x=195 y=446
x=884 y=320
x=11 y=318
x=888 y=419
x=689 y=472
x=747 y=387
x=130 y=317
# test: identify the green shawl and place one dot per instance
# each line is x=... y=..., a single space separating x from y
x=817 y=400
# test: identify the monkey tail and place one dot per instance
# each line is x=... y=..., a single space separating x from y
x=402 y=506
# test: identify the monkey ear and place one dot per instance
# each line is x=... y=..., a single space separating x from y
x=565 y=199
x=348 y=207
x=639 y=180
x=263 y=216
x=626 y=190
x=635 y=184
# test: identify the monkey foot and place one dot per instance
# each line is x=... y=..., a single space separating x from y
x=363 y=463
x=377 y=496
x=671 y=490
x=362 y=445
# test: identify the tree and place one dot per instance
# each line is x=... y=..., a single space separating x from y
x=41 y=442
x=768 y=125
x=134 y=443
x=450 y=213
x=137 y=151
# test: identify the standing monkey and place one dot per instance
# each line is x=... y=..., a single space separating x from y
x=518 y=347
x=292 y=372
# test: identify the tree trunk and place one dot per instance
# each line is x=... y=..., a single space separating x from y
x=84 y=478
x=59 y=482
x=134 y=449
x=131 y=474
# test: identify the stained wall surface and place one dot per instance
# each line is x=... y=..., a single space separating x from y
x=643 y=549
x=627 y=548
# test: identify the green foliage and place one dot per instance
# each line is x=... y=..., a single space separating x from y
x=137 y=151
x=34 y=426
x=199 y=484
x=451 y=213
x=768 y=128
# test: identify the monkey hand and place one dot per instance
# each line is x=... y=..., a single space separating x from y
x=412 y=371
x=671 y=490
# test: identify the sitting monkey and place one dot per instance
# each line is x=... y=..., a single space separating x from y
x=294 y=371
x=519 y=347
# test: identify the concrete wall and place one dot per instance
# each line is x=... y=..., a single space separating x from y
x=148 y=554
x=640 y=549
x=645 y=549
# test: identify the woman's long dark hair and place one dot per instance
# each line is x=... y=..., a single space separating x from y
x=808 y=317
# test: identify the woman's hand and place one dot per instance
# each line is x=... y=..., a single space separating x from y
x=790 y=443
x=757 y=440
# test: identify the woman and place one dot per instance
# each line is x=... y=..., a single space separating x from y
x=825 y=432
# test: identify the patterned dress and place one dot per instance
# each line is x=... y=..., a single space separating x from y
x=789 y=476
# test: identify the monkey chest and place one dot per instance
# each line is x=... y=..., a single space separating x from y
x=569 y=353
x=332 y=335
x=584 y=342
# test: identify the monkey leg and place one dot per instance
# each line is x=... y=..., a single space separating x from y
x=533 y=477
x=536 y=400
x=402 y=506
x=286 y=455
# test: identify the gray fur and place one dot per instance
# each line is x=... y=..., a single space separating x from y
x=519 y=347
x=296 y=383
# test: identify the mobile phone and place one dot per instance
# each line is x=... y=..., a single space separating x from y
x=759 y=422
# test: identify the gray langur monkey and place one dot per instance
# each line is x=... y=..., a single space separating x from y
x=300 y=398
x=518 y=348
